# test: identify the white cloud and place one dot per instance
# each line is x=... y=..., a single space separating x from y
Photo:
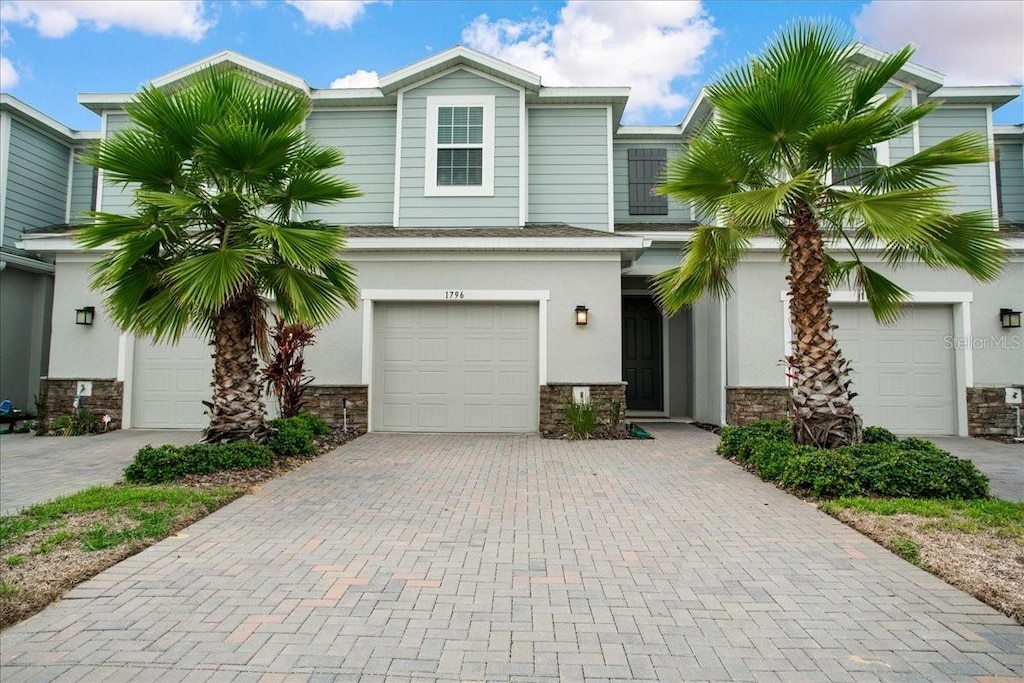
x=58 y=18
x=334 y=14
x=8 y=74
x=973 y=43
x=357 y=79
x=645 y=45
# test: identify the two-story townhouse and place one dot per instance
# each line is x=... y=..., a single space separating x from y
x=503 y=244
x=42 y=184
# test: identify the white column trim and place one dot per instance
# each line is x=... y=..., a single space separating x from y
x=524 y=161
x=917 y=124
x=71 y=177
x=994 y=191
x=542 y=341
x=397 y=199
x=99 y=172
x=5 y=156
x=611 y=174
x=723 y=312
x=126 y=375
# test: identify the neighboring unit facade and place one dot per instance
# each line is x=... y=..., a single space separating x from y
x=494 y=207
x=42 y=185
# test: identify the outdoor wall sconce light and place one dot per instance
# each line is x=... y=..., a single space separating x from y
x=582 y=315
x=1009 y=318
x=84 y=316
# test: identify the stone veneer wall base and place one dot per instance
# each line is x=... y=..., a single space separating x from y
x=988 y=413
x=744 y=405
x=326 y=402
x=58 y=395
x=604 y=397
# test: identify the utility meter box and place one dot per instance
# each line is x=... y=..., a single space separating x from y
x=1013 y=395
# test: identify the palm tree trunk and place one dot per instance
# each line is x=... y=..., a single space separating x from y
x=237 y=412
x=821 y=407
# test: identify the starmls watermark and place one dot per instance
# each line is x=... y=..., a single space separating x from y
x=1011 y=342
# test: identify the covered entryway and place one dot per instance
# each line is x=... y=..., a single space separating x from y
x=904 y=374
x=642 y=368
x=170 y=384
x=465 y=367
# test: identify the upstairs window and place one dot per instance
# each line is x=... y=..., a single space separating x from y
x=853 y=174
x=645 y=167
x=460 y=146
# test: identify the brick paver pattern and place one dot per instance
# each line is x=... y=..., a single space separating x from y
x=513 y=558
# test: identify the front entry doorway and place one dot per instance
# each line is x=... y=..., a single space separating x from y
x=642 y=354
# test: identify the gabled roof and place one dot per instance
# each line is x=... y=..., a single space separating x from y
x=227 y=59
x=51 y=125
x=459 y=55
x=924 y=79
x=97 y=102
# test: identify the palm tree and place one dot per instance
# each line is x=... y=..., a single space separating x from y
x=221 y=168
x=784 y=155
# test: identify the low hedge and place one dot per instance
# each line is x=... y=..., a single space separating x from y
x=294 y=435
x=883 y=465
x=160 y=464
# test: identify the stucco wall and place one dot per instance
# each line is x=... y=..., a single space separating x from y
x=588 y=353
x=759 y=346
x=79 y=350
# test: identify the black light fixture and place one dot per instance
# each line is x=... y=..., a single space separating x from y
x=84 y=316
x=1009 y=318
x=582 y=314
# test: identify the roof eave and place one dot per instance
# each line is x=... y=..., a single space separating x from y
x=458 y=56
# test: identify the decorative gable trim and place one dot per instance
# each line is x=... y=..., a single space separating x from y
x=459 y=55
x=229 y=57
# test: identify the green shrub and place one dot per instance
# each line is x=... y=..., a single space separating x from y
x=734 y=437
x=160 y=464
x=582 y=419
x=291 y=436
x=878 y=435
x=918 y=469
x=883 y=465
x=81 y=423
x=820 y=472
x=314 y=423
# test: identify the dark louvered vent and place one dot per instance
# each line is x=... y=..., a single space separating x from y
x=645 y=167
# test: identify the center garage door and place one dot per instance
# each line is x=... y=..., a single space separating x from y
x=171 y=383
x=904 y=374
x=455 y=367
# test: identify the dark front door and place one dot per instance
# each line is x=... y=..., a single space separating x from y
x=641 y=353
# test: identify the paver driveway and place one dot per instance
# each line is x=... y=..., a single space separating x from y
x=34 y=469
x=466 y=558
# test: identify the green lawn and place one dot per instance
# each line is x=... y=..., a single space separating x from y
x=969 y=516
x=117 y=514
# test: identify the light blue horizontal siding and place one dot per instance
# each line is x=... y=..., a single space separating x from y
x=117 y=198
x=501 y=210
x=367 y=137
x=677 y=213
x=568 y=166
x=37 y=182
x=972 y=181
x=1011 y=177
x=82 y=192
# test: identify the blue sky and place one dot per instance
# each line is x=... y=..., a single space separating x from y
x=53 y=50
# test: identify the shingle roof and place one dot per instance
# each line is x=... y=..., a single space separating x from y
x=531 y=230
x=654 y=227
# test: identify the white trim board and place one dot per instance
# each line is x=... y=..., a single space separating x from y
x=372 y=296
x=963 y=358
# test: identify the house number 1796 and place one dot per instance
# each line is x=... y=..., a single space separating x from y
x=454 y=294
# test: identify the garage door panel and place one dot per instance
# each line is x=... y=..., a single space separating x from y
x=485 y=379
x=479 y=350
x=170 y=383
x=903 y=374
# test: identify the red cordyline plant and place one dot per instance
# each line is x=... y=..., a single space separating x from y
x=284 y=373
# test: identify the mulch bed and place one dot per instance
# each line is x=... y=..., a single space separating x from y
x=984 y=563
x=42 y=578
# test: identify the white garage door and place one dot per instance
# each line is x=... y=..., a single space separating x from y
x=171 y=383
x=455 y=368
x=904 y=374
